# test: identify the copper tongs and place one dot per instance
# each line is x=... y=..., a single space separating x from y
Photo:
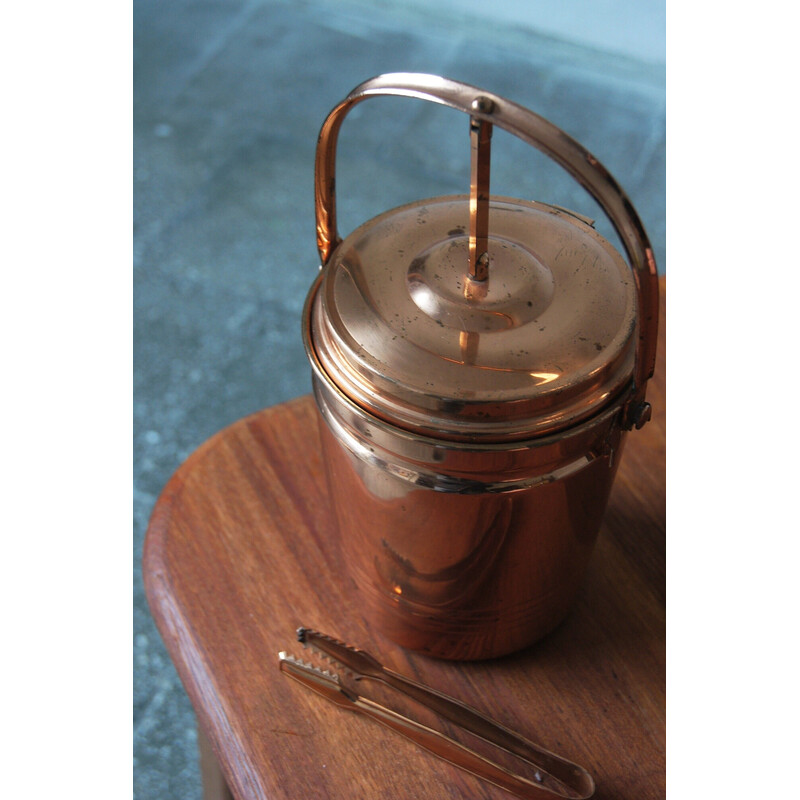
x=550 y=772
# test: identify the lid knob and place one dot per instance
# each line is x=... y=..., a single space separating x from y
x=480 y=132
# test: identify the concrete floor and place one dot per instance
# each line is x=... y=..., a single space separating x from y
x=228 y=100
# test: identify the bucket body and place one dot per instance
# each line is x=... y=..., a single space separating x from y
x=464 y=552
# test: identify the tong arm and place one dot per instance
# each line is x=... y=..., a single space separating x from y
x=431 y=740
x=575 y=785
x=363 y=665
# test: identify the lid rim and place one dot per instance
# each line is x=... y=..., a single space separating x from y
x=403 y=368
x=485 y=437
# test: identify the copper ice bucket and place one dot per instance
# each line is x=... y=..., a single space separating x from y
x=477 y=362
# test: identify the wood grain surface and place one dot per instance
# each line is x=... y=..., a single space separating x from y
x=241 y=550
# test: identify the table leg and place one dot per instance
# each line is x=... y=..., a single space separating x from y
x=214 y=785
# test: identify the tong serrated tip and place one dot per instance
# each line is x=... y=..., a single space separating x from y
x=357 y=662
x=322 y=681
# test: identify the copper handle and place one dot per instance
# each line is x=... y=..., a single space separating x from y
x=544 y=136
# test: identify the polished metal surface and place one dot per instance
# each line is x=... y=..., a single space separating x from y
x=548 y=341
x=466 y=551
x=480 y=134
x=477 y=362
x=346 y=679
x=539 y=133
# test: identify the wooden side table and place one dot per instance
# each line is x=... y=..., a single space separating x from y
x=241 y=550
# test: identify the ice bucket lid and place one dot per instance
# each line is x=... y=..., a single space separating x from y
x=544 y=341
x=482 y=318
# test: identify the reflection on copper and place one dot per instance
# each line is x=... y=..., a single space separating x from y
x=468 y=342
x=545 y=377
x=475 y=290
x=481 y=149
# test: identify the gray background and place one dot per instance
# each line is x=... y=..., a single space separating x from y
x=228 y=100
